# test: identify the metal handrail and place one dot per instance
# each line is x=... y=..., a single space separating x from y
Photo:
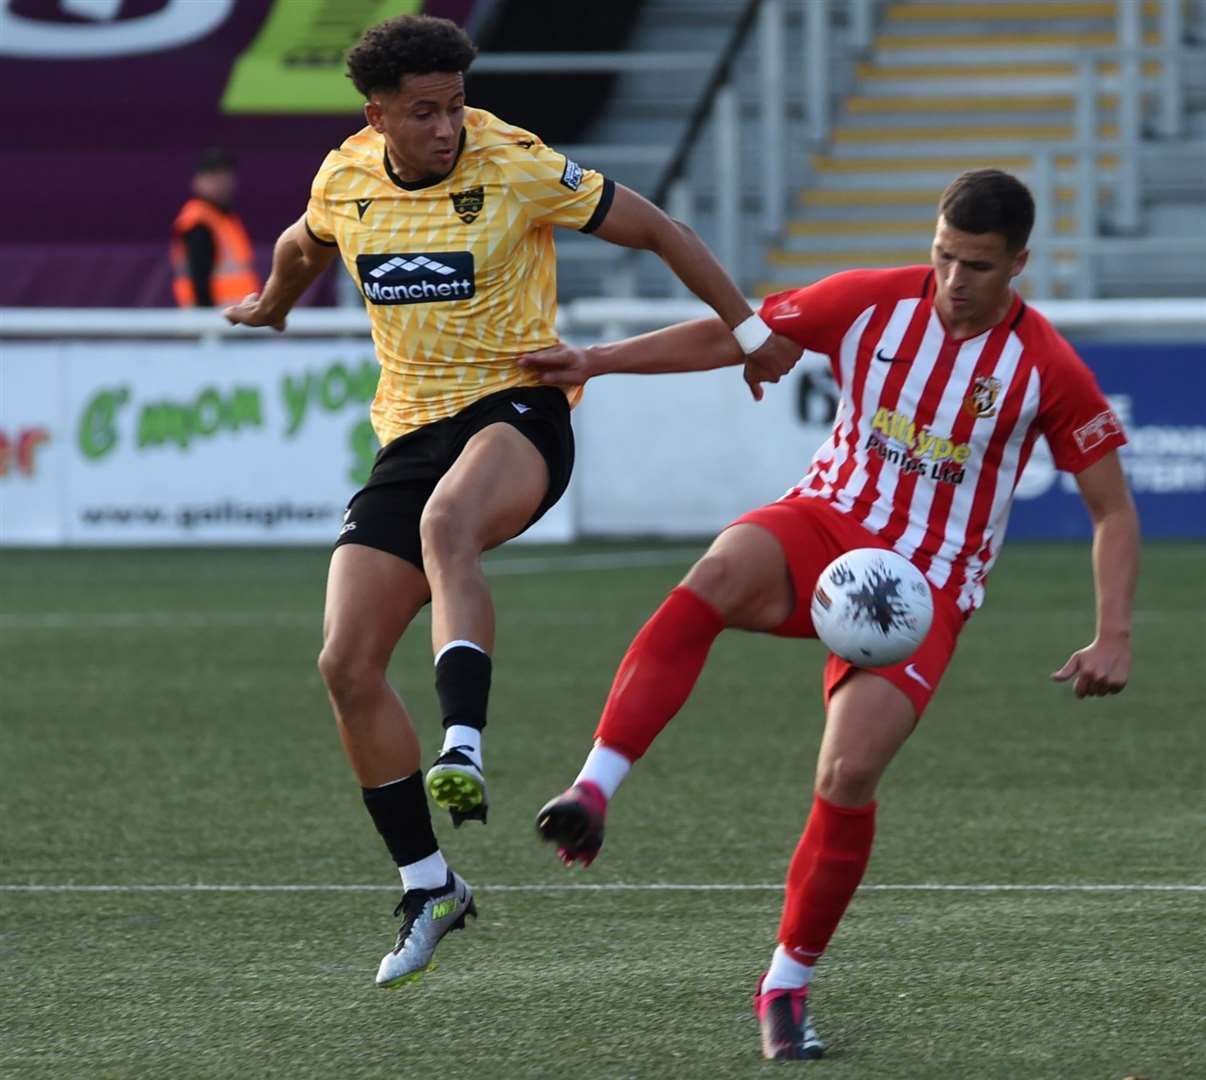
x=539 y=63
x=719 y=78
x=575 y=316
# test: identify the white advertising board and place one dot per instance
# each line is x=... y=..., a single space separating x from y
x=182 y=443
x=683 y=455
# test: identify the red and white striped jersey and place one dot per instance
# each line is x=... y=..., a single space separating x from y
x=932 y=434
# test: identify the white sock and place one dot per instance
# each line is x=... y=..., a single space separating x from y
x=786 y=973
x=466 y=739
x=605 y=767
x=428 y=873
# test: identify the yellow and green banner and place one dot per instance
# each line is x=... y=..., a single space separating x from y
x=296 y=62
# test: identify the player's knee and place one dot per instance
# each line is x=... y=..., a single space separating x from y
x=711 y=579
x=848 y=780
x=347 y=674
x=446 y=534
x=717 y=579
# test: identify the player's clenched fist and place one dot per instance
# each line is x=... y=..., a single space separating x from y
x=1099 y=669
x=770 y=362
x=250 y=312
x=559 y=365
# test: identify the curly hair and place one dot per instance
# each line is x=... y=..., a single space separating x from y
x=407 y=45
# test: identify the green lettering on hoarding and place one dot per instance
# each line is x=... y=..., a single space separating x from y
x=162 y=423
x=294 y=393
x=245 y=409
x=334 y=390
x=296 y=62
x=98 y=424
x=365 y=379
x=363 y=443
x=330 y=390
x=208 y=414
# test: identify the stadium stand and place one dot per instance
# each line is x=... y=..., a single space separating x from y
x=1101 y=106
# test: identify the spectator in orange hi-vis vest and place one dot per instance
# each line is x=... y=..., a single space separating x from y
x=212 y=260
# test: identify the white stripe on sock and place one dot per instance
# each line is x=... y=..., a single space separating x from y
x=391 y=783
x=459 y=645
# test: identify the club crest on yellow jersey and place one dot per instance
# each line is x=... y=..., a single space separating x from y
x=468 y=204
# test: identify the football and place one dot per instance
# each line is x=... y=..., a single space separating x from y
x=872 y=607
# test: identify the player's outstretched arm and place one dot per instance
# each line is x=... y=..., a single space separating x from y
x=1103 y=666
x=635 y=222
x=692 y=346
x=297 y=259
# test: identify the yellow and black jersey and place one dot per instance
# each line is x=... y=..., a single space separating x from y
x=458 y=274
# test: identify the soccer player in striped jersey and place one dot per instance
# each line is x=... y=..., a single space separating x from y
x=444 y=215
x=946 y=379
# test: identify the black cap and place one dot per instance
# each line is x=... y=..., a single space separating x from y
x=215 y=159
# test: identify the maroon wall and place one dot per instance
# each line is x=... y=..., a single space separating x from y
x=97 y=155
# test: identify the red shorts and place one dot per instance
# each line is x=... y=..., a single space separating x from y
x=813 y=534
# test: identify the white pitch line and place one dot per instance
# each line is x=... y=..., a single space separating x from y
x=609 y=886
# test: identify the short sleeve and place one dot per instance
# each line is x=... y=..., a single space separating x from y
x=817 y=317
x=554 y=190
x=1074 y=415
x=319 y=222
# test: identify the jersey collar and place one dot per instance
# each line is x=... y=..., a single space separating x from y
x=418 y=185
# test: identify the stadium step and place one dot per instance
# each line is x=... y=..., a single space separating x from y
x=950 y=87
x=917 y=170
x=905 y=50
x=1008 y=11
x=859 y=233
x=895 y=104
x=991 y=137
x=901 y=81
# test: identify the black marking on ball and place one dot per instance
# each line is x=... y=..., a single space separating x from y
x=879 y=601
x=841 y=575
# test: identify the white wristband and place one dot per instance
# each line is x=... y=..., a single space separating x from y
x=752 y=334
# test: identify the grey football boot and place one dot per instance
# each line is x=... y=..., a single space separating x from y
x=456 y=784
x=428 y=914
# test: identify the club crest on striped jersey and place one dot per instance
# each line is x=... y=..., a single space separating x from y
x=468 y=204
x=982 y=401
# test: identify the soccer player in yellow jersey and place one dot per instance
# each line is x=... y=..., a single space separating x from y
x=443 y=215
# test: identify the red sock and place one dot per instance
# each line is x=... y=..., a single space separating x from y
x=825 y=871
x=658 y=671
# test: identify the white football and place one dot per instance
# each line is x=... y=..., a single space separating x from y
x=872 y=607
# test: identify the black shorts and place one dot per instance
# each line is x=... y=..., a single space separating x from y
x=384 y=514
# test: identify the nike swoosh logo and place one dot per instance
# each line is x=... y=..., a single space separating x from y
x=879 y=355
x=916 y=676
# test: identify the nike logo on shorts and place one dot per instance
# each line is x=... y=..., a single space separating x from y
x=912 y=672
x=521 y=409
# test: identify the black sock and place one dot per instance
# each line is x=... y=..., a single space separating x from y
x=463 y=685
x=403 y=819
